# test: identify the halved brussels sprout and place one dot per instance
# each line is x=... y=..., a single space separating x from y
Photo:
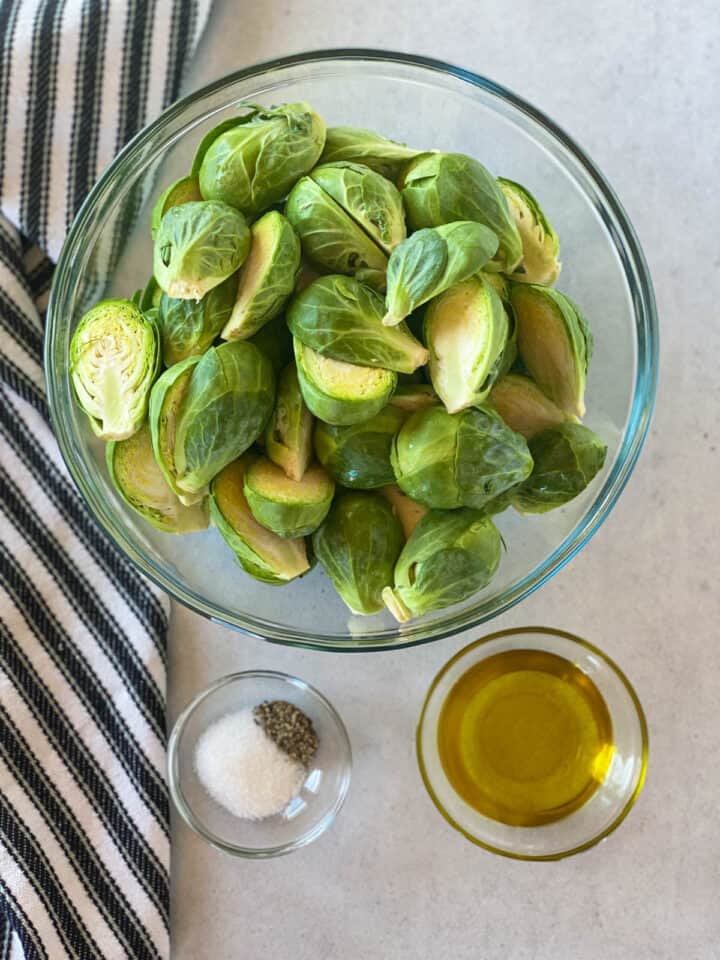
x=439 y=188
x=430 y=261
x=261 y=553
x=567 y=457
x=290 y=508
x=357 y=546
x=197 y=246
x=363 y=146
x=254 y=163
x=414 y=396
x=373 y=202
x=449 y=556
x=224 y=410
x=523 y=406
x=267 y=277
x=408 y=511
x=540 y=243
x=166 y=400
x=275 y=341
x=554 y=342
x=342 y=319
x=184 y=190
x=341 y=393
x=466 y=330
x=288 y=436
x=114 y=357
x=331 y=238
x=136 y=475
x=359 y=456
x=465 y=459
x=188 y=327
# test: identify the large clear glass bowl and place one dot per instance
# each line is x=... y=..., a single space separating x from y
x=427 y=104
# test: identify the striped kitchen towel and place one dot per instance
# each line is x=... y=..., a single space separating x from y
x=84 y=842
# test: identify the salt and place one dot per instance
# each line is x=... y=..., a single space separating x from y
x=244 y=770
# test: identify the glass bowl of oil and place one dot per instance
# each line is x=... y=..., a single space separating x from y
x=532 y=743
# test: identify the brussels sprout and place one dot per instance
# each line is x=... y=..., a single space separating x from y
x=288 y=436
x=372 y=201
x=449 y=556
x=114 y=356
x=359 y=456
x=357 y=546
x=267 y=277
x=342 y=319
x=331 y=238
x=188 y=327
x=554 y=342
x=498 y=282
x=363 y=146
x=341 y=393
x=255 y=163
x=210 y=138
x=466 y=330
x=225 y=409
x=540 y=243
x=261 y=553
x=430 y=261
x=414 y=396
x=182 y=191
x=290 y=508
x=439 y=188
x=197 y=246
x=275 y=341
x=566 y=457
x=166 y=399
x=463 y=459
x=523 y=406
x=409 y=512
x=135 y=473
x=150 y=297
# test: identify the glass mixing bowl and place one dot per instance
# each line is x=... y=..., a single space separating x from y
x=427 y=104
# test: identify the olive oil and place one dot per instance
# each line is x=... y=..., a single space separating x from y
x=525 y=737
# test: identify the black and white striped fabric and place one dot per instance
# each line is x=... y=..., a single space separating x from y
x=84 y=846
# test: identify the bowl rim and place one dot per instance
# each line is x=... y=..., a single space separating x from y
x=627 y=248
x=186 y=811
x=642 y=720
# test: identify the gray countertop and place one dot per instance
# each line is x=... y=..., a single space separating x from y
x=637 y=84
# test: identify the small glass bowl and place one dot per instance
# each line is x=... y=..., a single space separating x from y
x=308 y=815
x=612 y=800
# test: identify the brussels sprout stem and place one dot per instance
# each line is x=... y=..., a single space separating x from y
x=395 y=605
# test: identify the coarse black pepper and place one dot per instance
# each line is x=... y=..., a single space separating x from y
x=289 y=727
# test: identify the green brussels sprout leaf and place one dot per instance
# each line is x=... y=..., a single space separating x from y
x=290 y=508
x=356 y=145
x=466 y=330
x=458 y=460
x=254 y=163
x=114 y=358
x=540 y=243
x=567 y=457
x=439 y=188
x=342 y=319
x=197 y=246
x=288 y=435
x=267 y=277
x=338 y=392
x=358 y=545
x=430 y=261
x=182 y=191
x=137 y=477
x=358 y=456
x=260 y=552
x=554 y=342
x=449 y=556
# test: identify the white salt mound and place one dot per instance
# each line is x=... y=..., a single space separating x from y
x=244 y=770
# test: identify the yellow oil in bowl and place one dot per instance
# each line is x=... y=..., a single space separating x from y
x=525 y=737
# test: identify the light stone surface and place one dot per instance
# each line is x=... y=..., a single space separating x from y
x=638 y=86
